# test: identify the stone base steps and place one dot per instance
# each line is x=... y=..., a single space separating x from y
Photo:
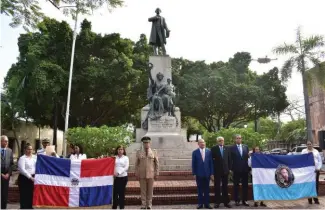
x=168 y=175
x=166 y=192
x=171 y=199
x=168 y=167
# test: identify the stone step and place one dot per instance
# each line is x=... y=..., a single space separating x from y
x=169 y=167
x=169 y=161
x=168 y=175
x=170 y=199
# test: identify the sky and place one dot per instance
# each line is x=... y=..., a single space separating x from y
x=210 y=30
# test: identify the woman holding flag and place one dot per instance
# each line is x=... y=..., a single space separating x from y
x=255 y=150
x=121 y=177
x=26 y=167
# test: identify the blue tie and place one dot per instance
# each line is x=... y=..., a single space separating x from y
x=3 y=154
x=221 y=151
x=240 y=151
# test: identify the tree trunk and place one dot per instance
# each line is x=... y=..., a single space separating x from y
x=255 y=118
x=16 y=138
x=306 y=98
x=55 y=123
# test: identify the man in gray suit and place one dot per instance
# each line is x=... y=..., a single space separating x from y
x=7 y=162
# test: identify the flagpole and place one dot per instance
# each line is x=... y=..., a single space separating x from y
x=66 y=126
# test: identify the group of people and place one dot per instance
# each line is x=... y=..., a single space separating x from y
x=216 y=164
x=26 y=168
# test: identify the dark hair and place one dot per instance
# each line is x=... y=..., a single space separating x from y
x=309 y=141
x=254 y=148
x=27 y=145
x=81 y=151
x=119 y=147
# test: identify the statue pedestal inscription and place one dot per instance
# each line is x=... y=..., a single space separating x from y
x=164 y=124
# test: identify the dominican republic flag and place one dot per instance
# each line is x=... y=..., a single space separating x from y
x=283 y=177
x=62 y=183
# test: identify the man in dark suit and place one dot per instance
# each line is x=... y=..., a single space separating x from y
x=6 y=170
x=239 y=166
x=221 y=161
x=202 y=169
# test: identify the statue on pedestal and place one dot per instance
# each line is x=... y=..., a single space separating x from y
x=159 y=33
x=160 y=95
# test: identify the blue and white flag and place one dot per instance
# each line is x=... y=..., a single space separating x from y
x=283 y=177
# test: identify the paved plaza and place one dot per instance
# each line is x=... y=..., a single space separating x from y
x=300 y=204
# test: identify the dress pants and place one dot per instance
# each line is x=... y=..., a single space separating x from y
x=243 y=178
x=317 y=183
x=146 y=188
x=119 y=192
x=224 y=180
x=203 y=190
x=4 y=192
x=26 y=189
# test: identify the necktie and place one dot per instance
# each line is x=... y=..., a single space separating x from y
x=240 y=150
x=221 y=151
x=202 y=153
x=2 y=154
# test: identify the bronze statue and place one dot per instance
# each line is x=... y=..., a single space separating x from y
x=159 y=33
x=160 y=96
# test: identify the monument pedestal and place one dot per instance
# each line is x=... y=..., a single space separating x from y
x=166 y=135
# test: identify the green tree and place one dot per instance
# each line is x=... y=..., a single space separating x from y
x=294 y=131
x=25 y=13
x=250 y=138
x=99 y=141
x=304 y=50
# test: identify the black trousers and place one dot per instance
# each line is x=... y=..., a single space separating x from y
x=26 y=189
x=119 y=192
x=240 y=177
x=4 y=192
x=317 y=183
x=224 y=186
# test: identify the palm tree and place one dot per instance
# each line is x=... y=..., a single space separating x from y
x=302 y=52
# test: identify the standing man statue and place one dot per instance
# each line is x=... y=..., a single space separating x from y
x=159 y=32
x=147 y=170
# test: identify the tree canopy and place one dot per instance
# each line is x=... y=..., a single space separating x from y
x=109 y=82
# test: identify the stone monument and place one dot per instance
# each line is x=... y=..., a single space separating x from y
x=161 y=119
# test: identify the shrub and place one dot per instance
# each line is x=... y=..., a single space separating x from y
x=99 y=141
x=250 y=138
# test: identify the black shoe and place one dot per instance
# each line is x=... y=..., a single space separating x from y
x=148 y=207
x=310 y=201
x=199 y=207
x=208 y=207
x=255 y=204
x=237 y=203
x=216 y=206
x=316 y=202
x=263 y=204
x=245 y=203
x=227 y=205
x=143 y=208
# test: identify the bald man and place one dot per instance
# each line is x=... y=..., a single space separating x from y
x=202 y=169
x=7 y=162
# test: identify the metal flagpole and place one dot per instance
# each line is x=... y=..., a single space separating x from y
x=69 y=88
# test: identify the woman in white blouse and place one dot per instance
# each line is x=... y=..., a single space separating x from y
x=318 y=165
x=26 y=167
x=78 y=153
x=121 y=177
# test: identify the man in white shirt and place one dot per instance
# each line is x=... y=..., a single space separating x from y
x=42 y=151
x=318 y=166
x=45 y=143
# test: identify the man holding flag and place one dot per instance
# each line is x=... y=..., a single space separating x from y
x=318 y=165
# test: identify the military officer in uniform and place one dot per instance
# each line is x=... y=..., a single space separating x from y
x=147 y=170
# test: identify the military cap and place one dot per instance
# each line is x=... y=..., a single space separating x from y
x=145 y=139
x=46 y=140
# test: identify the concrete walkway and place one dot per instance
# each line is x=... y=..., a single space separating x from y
x=300 y=204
